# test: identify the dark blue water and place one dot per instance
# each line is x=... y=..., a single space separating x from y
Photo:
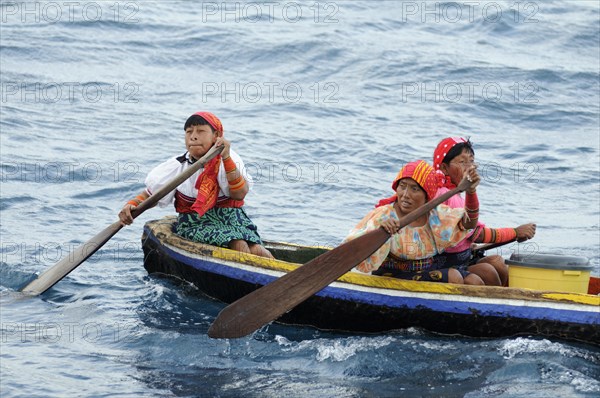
x=325 y=100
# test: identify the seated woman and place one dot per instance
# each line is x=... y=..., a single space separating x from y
x=452 y=156
x=408 y=254
x=209 y=203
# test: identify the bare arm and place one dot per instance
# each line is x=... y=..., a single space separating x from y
x=125 y=214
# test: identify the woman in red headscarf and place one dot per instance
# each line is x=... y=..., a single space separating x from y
x=451 y=158
x=409 y=252
x=210 y=202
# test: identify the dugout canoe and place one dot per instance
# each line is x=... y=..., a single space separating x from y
x=374 y=304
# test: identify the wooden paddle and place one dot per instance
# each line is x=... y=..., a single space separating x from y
x=266 y=304
x=61 y=269
x=479 y=250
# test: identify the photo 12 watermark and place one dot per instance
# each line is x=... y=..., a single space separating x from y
x=69 y=11
x=517 y=172
x=67 y=332
x=68 y=92
x=270 y=12
x=467 y=12
x=46 y=254
x=70 y=172
x=292 y=172
x=270 y=92
x=469 y=92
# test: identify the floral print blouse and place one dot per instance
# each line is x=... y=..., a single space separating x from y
x=442 y=230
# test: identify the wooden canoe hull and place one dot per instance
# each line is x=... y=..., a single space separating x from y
x=373 y=304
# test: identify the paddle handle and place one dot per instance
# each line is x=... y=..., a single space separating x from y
x=51 y=276
x=489 y=246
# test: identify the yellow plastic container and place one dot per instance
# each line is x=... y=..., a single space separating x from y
x=549 y=272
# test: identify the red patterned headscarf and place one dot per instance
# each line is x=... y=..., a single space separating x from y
x=207 y=184
x=439 y=154
x=443 y=148
x=422 y=173
x=212 y=120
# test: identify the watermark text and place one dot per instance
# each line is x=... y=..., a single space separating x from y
x=69 y=11
x=253 y=12
x=469 y=92
x=270 y=92
x=68 y=172
x=71 y=92
x=467 y=12
x=69 y=332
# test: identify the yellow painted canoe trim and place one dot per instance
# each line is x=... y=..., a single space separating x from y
x=578 y=298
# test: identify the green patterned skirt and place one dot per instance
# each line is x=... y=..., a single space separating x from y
x=218 y=226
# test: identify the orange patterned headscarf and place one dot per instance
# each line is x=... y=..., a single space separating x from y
x=207 y=184
x=422 y=173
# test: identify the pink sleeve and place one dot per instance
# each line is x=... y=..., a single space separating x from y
x=455 y=202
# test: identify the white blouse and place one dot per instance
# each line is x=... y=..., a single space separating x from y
x=166 y=171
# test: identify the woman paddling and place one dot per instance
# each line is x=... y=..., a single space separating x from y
x=408 y=254
x=209 y=203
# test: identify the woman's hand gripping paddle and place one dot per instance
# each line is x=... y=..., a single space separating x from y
x=266 y=304
x=61 y=269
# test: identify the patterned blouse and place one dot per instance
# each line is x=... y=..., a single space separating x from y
x=442 y=230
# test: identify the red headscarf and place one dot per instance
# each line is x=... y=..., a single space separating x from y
x=212 y=120
x=207 y=184
x=422 y=173
x=440 y=153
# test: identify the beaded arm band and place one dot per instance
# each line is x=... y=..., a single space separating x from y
x=136 y=201
x=230 y=167
x=472 y=205
x=498 y=235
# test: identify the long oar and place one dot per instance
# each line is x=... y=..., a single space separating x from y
x=271 y=301
x=61 y=269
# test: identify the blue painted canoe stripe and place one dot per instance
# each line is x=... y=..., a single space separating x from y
x=456 y=307
x=480 y=309
x=214 y=267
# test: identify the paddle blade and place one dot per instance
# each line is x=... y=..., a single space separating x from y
x=61 y=269
x=250 y=312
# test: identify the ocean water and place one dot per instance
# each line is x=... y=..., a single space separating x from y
x=324 y=101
